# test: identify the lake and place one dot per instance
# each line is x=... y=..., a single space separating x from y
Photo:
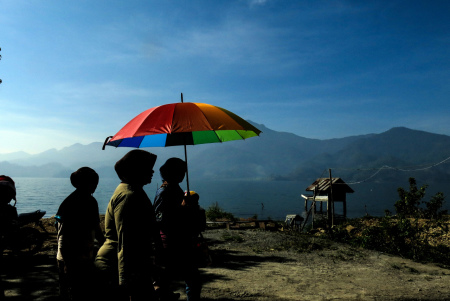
x=266 y=199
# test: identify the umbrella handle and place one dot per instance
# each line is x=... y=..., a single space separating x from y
x=106 y=141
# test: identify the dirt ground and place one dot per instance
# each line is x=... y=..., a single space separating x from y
x=254 y=264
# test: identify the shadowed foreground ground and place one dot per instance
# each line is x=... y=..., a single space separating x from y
x=253 y=264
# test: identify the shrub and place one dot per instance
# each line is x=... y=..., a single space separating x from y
x=214 y=213
x=433 y=207
x=409 y=203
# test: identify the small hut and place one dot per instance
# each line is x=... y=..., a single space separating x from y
x=324 y=192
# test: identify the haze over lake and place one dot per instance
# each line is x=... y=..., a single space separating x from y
x=266 y=199
x=263 y=176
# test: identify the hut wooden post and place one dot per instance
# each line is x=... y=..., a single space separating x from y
x=330 y=200
x=314 y=209
x=345 y=206
x=328 y=211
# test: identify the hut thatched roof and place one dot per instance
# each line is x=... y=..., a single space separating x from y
x=323 y=184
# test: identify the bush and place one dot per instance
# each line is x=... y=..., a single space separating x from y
x=214 y=213
x=433 y=207
x=409 y=203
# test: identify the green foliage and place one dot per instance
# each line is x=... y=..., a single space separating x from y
x=409 y=203
x=214 y=213
x=433 y=207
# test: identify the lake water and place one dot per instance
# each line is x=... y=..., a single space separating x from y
x=266 y=199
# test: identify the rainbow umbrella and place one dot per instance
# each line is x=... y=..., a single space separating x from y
x=183 y=123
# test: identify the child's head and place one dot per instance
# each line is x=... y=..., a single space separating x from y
x=7 y=189
x=192 y=199
x=85 y=178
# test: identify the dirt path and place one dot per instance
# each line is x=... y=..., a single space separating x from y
x=262 y=265
x=250 y=270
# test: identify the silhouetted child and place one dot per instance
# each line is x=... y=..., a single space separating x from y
x=196 y=214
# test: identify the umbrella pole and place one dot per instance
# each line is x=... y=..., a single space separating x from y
x=185 y=159
x=187 y=173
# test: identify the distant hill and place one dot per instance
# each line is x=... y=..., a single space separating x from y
x=273 y=155
x=14 y=156
x=401 y=151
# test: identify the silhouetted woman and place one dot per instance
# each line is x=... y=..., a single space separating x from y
x=126 y=258
x=78 y=226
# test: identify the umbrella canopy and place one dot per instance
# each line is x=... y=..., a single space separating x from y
x=182 y=124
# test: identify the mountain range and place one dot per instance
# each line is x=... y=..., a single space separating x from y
x=398 y=152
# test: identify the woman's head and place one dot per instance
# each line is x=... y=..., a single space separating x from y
x=85 y=178
x=7 y=189
x=173 y=170
x=136 y=167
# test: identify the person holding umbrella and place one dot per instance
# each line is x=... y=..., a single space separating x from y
x=125 y=261
x=175 y=224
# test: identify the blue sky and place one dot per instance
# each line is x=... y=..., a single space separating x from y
x=77 y=71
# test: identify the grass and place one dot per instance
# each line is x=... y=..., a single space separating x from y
x=232 y=237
